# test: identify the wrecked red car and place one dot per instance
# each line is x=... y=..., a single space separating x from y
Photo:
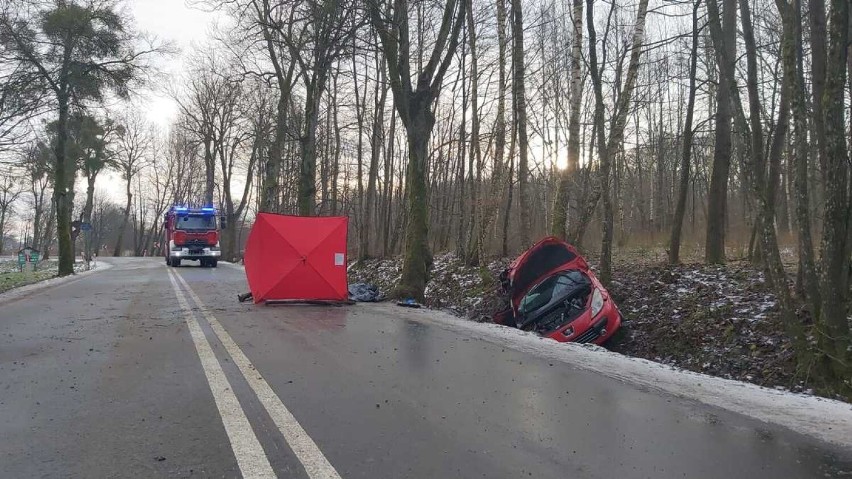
x=552 y=291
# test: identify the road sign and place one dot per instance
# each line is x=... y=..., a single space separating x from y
x=86 y=226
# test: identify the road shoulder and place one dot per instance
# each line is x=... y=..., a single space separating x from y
x=824 y=419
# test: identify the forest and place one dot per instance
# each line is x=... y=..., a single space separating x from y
x=711 y=131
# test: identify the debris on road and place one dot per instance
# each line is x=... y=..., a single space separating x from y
x=365 y=293
x=409 y=303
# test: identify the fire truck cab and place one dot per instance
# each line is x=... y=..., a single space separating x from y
x=192 y=234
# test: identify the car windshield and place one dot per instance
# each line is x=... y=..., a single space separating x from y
x=196 y=222
x=551 y=288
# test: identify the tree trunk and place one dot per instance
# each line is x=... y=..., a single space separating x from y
x=765 y=182
x=807 y=265
x=388 y=187
x=834 y=340
x=47 y=239
x=567 y=178
x=414 y=105
x=231 y=248
x=63 y=171
x=38 y=213
x=460 y=181
x=121 y=230
x=589 y=199
x=475 y=153
x=717 y=200
x=86 y=215
x=520 y=103
x=686 y=154
x=271 y=188
x=335 y=166
x=308 y=142
x=607 y=149
x=511 y=190
x=418 y=259
x=209 y=171
x=816 y=19
x=376 y=142
x=360 y=112
x=491 y=203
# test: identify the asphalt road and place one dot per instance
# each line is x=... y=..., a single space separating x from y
x=133 y=372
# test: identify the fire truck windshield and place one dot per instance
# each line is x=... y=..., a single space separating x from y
x=196 y=222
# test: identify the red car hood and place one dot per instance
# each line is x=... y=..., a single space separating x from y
x=543 y=259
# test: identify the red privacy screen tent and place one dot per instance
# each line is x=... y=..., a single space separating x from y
x=297 y=258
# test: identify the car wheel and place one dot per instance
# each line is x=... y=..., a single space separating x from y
x=176 y=263
x=213 y=263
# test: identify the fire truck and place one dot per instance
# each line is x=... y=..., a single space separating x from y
x=192 y=234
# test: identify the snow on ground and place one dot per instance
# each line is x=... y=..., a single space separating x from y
x=79 y=271
x=825 y=419
x=720 y=320
x=468 y=291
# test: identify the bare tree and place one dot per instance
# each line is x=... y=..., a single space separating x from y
x=160 y=191
x=132 y=148
x=607 y=148
x=319 y=32
x=686 y=155
x=36 y=164
x=724 y=41
x=273 y=23
x=834 y=338
x=519 y=103
x=765 y=178
x=10 y=190
x=414 y=106
x=376 y=144
x=491 y=203
x=807 y=262
x=561 y=208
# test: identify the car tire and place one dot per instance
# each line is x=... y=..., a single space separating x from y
x=213 y=263
x=176 y=263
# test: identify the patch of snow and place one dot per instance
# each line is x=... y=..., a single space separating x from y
x=800 y=412
x=17 y=293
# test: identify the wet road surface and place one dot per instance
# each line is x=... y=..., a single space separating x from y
x=147 y=371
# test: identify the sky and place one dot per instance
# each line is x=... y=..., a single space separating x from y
x=184 y=26
x=172 y=21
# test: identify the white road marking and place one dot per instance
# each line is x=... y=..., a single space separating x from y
x=251 y=458
x=305 y=449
